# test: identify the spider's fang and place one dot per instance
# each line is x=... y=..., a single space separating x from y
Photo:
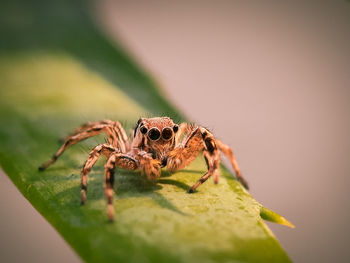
x=164 y=162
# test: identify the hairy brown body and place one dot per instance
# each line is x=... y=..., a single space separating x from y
x=157 y=142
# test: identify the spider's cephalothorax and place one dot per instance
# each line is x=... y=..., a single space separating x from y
x=155 y=143
x=156 y=136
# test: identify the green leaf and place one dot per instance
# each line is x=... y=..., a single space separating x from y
x=57 y=71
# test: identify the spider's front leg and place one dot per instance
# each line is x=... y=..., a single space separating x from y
x=104 y=149
x=197 y=140
x=119 y=160
x=135 y=160
x=202 y=139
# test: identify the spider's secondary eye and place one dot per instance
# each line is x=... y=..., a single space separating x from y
x=176 y=128
x=154 y=134
x=167 y=133
x=143 y=130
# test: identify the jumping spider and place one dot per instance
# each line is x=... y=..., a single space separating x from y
x=156 y=142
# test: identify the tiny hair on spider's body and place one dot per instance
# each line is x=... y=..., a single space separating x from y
x=154 y=143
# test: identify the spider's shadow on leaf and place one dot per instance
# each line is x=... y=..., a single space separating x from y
x=192 y=171
x=127 y=185
x=176 y=183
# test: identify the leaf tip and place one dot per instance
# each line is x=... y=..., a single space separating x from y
x=272 y=216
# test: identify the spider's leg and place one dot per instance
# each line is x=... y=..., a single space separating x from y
x=109 y=181
x=120 y=130
x=92 y=131
x=120 y=160
x=106 y=150
x=184 y=153
x=114 y=125
x=184 y=129
x=197 y=140
x=229 y=153
x=81 y=128
x=213 y=171
x=116 y=137
x=212 y=158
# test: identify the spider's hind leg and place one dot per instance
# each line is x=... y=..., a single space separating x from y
x=229 y=153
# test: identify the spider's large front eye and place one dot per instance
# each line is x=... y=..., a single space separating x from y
x=167 y=133
x=154 y=134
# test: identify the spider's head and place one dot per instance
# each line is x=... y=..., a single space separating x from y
x=158 y=131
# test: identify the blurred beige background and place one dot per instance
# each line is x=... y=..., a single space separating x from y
x=271 y=79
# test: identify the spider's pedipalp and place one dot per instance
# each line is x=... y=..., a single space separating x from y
x=151 y=167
